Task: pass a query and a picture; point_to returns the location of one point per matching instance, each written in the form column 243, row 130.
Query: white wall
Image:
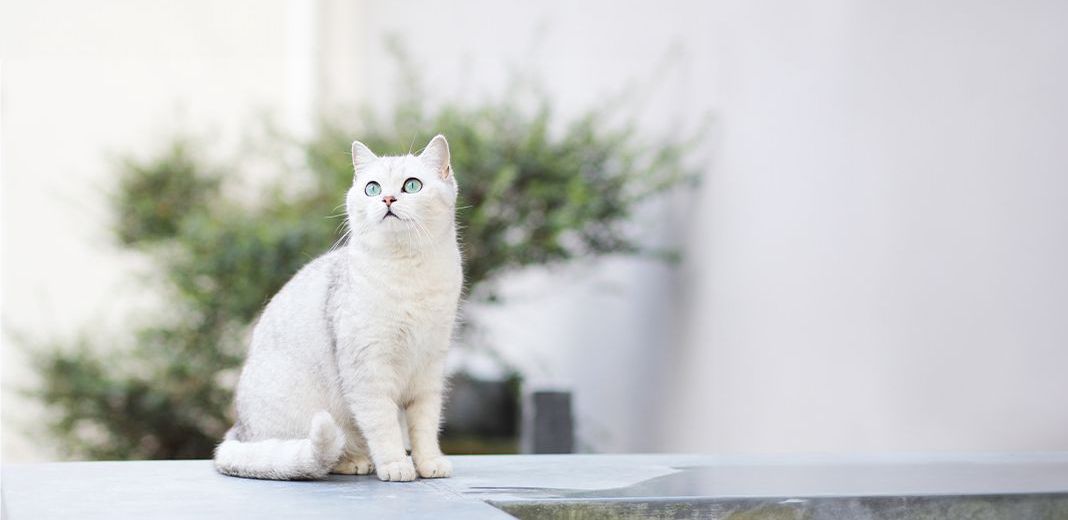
column 881, row 260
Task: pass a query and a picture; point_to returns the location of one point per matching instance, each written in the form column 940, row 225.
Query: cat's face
column 408, row 199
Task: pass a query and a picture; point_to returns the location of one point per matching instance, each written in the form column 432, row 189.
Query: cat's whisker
column 414, row 230
column 412, row 227
column 340, row 240
column 415, row 242
column 424, row 230
column 417, row 224
column 412, row 144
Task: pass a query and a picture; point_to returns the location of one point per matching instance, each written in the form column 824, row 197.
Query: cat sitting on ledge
column 358, row 336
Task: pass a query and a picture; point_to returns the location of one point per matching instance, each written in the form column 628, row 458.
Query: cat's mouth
column 390, row 213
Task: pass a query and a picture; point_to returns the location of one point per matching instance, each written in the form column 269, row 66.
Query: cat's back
column 313, row 282
column 302, row 308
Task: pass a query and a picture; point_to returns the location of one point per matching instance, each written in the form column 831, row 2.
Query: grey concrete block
column 548, row 426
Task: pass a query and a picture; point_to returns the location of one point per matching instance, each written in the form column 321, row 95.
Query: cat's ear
column 436, row 156
column 361, row 156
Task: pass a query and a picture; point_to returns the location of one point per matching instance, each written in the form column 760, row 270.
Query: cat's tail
column 276, row 459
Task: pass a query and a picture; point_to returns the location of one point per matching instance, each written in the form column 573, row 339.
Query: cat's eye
column 372, row 189
column 412, row 185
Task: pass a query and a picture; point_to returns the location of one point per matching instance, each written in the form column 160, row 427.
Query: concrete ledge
column 566, row 486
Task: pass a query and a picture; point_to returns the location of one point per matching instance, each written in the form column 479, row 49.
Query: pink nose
column 389, row 200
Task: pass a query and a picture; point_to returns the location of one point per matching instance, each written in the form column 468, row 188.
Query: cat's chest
column 421, row 286
column 402, row 303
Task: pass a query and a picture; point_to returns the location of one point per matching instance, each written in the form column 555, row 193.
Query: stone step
column 902, row 486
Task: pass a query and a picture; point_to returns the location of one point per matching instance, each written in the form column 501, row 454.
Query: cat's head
column 407, row 199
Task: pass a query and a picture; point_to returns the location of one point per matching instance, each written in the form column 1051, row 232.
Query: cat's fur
column 357, row 337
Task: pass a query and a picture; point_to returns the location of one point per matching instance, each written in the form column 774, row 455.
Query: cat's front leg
column 369, row 390
column 376, row 414
column 424, row 421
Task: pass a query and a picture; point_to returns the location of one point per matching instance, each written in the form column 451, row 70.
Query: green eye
column 372, row 189
column 412, row 185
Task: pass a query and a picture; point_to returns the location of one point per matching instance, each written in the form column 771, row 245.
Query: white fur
column 357, row 337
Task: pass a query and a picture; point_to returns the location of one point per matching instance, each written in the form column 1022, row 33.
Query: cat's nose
column 389, row 200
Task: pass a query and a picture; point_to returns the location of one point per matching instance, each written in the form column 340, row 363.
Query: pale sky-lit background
column 875, row 260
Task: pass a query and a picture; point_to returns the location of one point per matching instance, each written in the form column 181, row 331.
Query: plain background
column 874, row 261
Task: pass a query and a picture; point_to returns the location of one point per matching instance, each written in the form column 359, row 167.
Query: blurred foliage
column 533, row 191
column 178, row 187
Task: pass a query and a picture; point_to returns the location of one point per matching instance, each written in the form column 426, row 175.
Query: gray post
column 547, row 423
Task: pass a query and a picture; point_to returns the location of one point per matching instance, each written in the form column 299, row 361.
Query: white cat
column 358, row 336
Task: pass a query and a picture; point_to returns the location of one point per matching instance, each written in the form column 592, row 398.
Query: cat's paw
column 344, row 467
column 399, row 471
column 354, row 465
column 364, row 466
column 434, row 467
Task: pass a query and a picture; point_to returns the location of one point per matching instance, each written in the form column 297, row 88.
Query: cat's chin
column 392, row 221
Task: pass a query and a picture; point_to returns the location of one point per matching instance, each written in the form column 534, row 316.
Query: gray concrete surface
column 566, row 486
